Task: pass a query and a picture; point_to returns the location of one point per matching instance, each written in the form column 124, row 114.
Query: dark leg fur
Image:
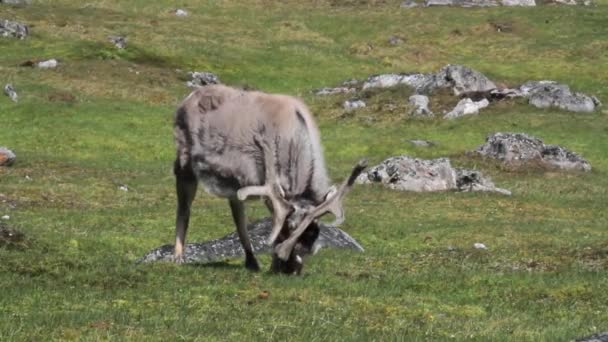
column 238, row 215
column 185, row 186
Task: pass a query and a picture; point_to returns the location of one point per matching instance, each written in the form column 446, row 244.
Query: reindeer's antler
column 331, row 204
column 271, row 190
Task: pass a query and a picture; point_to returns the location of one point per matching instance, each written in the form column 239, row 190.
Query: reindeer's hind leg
column 238, row 214
column 185, row 185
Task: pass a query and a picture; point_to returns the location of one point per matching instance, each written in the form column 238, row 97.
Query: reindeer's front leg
column 240, row 220
column 185, row 186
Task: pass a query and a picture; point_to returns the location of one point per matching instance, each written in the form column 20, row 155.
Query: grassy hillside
column 103, row 119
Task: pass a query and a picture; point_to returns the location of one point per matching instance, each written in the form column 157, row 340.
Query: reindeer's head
column 295, row 220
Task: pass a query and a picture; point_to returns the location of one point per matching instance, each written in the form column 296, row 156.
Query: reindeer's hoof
column 178, row 259
column 251, row 263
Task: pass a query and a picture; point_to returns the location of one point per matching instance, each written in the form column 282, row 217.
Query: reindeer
column 248, row 144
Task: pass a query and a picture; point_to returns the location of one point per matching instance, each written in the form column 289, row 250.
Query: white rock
column 518, row 2
column 466, row 107
column 353, row 104
column 6, row 217
column 181, row 13
column 123, row 188
column 479, row 245
column 48, row 64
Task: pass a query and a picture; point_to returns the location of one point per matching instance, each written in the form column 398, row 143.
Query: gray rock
column 518, row 2
column 545, row 94
column 409, row 4
column 9, row 91
column 420, row 105
column 599, row 337
column 458, row 77
column 466, row 106
column 463, row 79
column 395, row 40
column 421, row 143
column 229, row 246
column 332, row 91
column 7, row 157
column 462, row 3
column 15, row 29
column 353, row 104
column 405, row 173
column 118, row 41
column 202, row 78
column 520, row 149
column 16, row 2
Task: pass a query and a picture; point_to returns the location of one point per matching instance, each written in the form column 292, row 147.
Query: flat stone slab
column 229, row 246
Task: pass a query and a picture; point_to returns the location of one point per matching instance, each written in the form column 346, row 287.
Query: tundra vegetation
column 92, row 187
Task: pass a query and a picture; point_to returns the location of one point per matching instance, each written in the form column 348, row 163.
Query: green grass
column 103, row 118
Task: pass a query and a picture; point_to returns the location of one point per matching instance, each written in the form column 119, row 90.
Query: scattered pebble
column 118, row 41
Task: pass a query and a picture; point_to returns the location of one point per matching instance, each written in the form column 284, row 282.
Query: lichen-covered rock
column 420, row 106
column 520, row 149
column 466, row 106
column 229, row 246
column 202, row 78
column 9, row 91
column 9, row 28
column 419, row 175
column 545, row 94
column 7, row 157
column 353, row 104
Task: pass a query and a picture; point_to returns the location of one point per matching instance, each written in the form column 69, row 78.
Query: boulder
column 545, row 94
column 353, row 104
column 15, row 29
column 7, row 157
column 229, row 246
column 520, row 149
column 405, row 173
column 202, row 78
column 420, row 104
column 421, row 143
column 463, row 79
column 466, row 106
column 9, row 91
column 395, row 40
column 11, row 238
